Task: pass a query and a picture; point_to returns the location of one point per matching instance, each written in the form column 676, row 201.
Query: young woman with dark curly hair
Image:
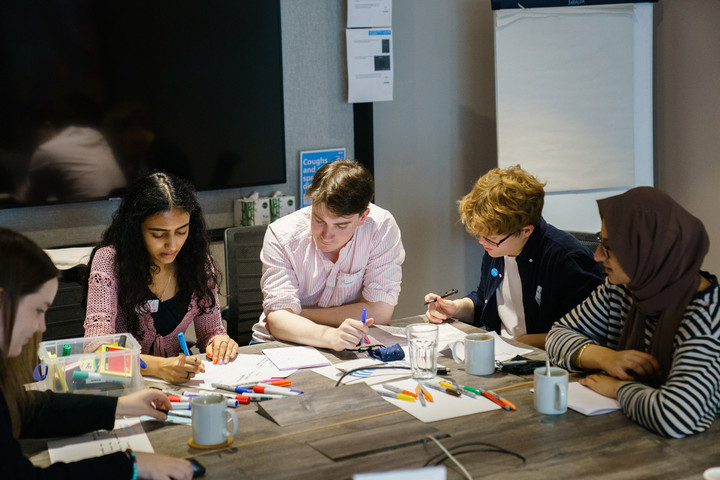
column 152, row 275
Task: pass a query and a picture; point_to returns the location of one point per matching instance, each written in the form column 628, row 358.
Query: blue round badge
column 494, row 272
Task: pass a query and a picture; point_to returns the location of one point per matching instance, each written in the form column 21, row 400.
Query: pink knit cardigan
column 103, row 316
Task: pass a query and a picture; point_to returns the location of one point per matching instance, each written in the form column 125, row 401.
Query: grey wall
column 435, row 139
column 687, row 110
column 438, row 134
column 316, row 117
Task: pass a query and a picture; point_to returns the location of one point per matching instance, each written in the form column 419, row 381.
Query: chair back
column 586, row 238
column 243, row 270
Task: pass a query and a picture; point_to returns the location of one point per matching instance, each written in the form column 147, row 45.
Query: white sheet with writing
column 127, row 433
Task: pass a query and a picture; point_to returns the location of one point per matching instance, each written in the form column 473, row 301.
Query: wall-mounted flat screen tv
column 96, row 93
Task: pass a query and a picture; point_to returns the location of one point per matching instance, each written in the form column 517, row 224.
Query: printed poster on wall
column 310, row 162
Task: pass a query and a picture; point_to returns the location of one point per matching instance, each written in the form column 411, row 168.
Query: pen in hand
column 444, row 295
column 183, row 344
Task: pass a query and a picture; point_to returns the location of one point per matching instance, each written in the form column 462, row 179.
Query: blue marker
column 364, row 319
column 183, row 344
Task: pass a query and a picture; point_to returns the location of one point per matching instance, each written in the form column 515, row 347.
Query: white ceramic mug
column 478, row 355
column 210, row 419
column 551, row 391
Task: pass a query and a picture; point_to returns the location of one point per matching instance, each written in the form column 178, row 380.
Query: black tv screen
column 187, row 86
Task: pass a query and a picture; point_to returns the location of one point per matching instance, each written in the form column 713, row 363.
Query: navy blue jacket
column 557, row 273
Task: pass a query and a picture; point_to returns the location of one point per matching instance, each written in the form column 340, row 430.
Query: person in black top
column 28, row 283
column 532, row 273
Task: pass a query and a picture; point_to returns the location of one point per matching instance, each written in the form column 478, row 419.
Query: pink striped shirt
column 296, row 274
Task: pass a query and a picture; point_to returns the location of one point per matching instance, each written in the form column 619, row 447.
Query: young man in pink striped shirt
column 323, row 264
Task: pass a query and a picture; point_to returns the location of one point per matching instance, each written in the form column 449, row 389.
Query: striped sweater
column 689, row 400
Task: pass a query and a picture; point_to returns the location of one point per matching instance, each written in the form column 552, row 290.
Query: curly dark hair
column 195, row 271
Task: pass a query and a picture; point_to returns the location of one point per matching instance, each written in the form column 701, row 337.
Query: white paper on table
column 387, row 335
column 369, row 376
column 443, row 405
column 287, row 358
column 588, row 402
column 438, row 472
column 244, row 369
column 370, row 64
column 369, row 13
column 127, row 433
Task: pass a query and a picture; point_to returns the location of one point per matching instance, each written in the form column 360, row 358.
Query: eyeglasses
column 495, row 244
column 603, row 248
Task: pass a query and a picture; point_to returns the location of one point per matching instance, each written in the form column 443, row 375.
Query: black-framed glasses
column 603, row 248
column 496, row 244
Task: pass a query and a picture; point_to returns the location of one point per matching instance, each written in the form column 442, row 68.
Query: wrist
column 133, row 460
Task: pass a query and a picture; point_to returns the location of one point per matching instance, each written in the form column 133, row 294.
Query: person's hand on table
column 624, row 364
column 222, row 349
column 145, row 402
column 602, row 384
column 441, row 309
column 348, row 335
column 156, row 466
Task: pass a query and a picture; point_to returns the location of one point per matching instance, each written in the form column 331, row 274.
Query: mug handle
column 234, row 422
column 454, row 353
column 561, row 397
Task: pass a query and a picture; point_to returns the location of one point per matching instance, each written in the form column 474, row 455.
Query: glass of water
column 422, row 345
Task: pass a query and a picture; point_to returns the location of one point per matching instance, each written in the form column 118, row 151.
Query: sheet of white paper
column 443, row 405
column 368, row 376
column 588, row 402
column 387, row 335
column 288, row 358
column 370, row 64
column 127, row 433
column 428, row 473
column 369, row 13
column 245, row 368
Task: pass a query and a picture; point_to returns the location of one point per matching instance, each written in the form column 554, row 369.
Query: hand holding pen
column 439, row 309
column 149, row 401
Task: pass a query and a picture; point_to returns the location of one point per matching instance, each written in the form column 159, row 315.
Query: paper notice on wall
column 370, row 64
column 369, row 13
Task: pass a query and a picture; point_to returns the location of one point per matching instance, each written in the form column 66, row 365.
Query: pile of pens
column 248, row 392
column 444, row 386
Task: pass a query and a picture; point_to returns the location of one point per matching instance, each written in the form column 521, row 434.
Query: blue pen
column 183, row 345
column 364, row 319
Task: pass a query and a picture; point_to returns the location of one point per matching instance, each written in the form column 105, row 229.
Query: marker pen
column 399, row 396
column 275, row 390
column 449, row 391
column 395, row 389
column 94, row 377
column 183, row 344
column 263, row 396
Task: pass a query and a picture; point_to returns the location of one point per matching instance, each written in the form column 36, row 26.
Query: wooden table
column 380, row 438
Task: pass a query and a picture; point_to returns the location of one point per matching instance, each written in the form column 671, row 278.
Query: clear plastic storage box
column 107, row 365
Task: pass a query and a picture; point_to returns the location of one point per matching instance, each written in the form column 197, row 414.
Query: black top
column 169, row 315
column 61, row 415
column 557, row 272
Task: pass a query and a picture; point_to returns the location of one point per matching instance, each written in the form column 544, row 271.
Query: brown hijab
column 661, row 247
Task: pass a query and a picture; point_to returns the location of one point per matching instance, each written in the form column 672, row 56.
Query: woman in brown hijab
column 653, row 327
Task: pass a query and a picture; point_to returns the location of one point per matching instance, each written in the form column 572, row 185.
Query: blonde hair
column 502, row 202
